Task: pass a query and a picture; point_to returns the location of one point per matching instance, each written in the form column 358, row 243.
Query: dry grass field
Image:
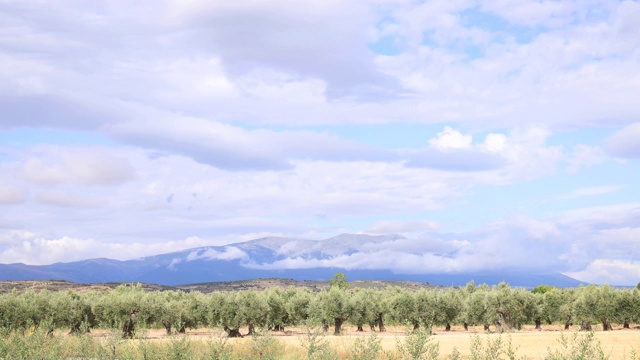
column 529, row 343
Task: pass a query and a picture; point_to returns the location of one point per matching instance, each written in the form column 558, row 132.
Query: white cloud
column 12, row 195
column 533, row 12
column 31, row 248
column 591, row 191
column 625, row 143
column 607, row 271
column 64, row 199
column 451, row 139
column 88, row 166
column 231, row 147
column 228, row 253
column 584, row 156
column 495, row 142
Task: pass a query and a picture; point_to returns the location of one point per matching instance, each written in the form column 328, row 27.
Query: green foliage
column 493, row 349
column 363, row 307
column 180, row 348
column 218, row 348
column 336, row 306
column 578, row 347
column 474, row 311
column 417, row 345
column 316, row 345
column 448, row 306
column 264, row 346
column 507, row 307
column 455, row 354
column 38, row 345
column 596, row 303
column 368, row 348
column 404, row 307
column 339, row 280
column 541, row 289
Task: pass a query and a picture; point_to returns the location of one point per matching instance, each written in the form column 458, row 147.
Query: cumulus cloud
column 607, row 271
column 451, row 150
column 451, row 139
column 523, row 153
column 495, row 142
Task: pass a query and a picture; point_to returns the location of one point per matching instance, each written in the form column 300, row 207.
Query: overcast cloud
column 487, row 133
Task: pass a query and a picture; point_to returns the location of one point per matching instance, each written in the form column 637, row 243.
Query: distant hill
column 253, row 284
column 271, row 257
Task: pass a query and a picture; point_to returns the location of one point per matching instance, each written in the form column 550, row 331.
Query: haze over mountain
column 298, row 259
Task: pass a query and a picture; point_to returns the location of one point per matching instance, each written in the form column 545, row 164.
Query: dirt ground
column 534, row 344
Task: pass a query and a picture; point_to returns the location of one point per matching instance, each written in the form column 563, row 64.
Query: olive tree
column 336, row 306
column 448, row 306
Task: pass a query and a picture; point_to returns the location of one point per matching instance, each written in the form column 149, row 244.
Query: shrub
column 365, row 348
column 578, row 347
column 314, row 341
column 264, row 346
column 417, row 345
column 218, row 348
column 493, row 349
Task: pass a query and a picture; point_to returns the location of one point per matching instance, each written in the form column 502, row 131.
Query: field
column 528, row 342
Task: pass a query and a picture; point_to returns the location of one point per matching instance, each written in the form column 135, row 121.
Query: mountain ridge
column 273, row 257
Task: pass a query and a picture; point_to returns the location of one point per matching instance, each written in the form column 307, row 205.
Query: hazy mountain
column 270, row 257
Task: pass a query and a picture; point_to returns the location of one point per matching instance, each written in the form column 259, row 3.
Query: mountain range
column 270, row 257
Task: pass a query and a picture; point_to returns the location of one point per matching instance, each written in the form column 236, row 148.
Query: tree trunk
column 338, row 326
column 466, row 326
column 75, row 329
column 567, row 323
column 252, row 330
column 372, row 326
column 232, row 333
column 182, row 330
column 538, row 324
column 626, row 325
column 325, row 326
column 360, row 329
column 606, row 325
column 381, row 323
column 486, row 327
column 416, row 326
column 585, row 326
column 448, row 327
column 129, row 326
column 168, row 328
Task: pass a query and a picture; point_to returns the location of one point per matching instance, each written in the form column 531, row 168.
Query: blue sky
column 504, row 134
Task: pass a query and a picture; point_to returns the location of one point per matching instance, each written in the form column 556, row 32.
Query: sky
column 491, row 134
